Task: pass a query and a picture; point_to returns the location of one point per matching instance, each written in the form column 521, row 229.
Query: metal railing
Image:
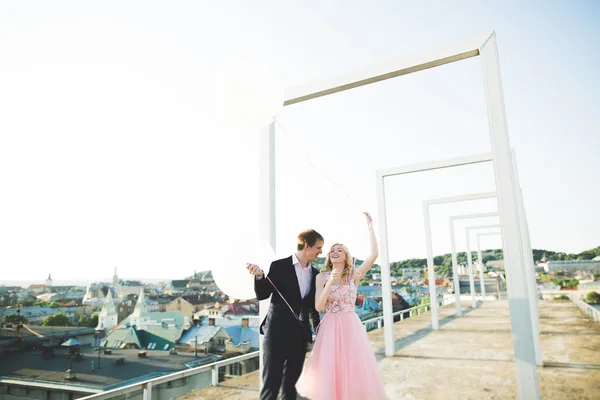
column 146, row 386
column 448, row 299
column 592, row 312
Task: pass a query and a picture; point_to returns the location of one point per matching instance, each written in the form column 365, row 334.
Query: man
column 286, row 335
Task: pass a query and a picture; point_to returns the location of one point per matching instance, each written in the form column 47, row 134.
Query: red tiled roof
column 396, row 299
column 37, row 286
column 245, row 303
column 244, row 308
column 438, row 281
column 360, row 300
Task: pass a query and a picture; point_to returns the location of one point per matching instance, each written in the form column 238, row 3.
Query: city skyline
column 112, row 151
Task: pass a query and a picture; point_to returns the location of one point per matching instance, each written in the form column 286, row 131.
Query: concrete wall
column 182, row 387
column 22, row 392
column 491, row 286
column 182, row 305
column 165, row 391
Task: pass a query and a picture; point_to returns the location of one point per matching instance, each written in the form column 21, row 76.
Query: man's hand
column 254, row 269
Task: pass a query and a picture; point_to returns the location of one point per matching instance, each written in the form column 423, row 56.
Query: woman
column 342, row 364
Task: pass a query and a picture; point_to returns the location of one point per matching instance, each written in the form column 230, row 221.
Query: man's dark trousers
column 285, row 338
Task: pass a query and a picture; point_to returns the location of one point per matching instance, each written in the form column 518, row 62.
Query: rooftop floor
column 472, row 357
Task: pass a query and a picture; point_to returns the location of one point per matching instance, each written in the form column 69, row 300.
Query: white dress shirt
column 304, row 276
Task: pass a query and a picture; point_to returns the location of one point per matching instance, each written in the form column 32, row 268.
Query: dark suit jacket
column 280, row 320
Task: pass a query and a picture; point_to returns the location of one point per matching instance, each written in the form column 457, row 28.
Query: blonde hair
column 348, row 265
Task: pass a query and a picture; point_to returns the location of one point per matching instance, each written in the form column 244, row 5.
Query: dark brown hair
column 308, row 237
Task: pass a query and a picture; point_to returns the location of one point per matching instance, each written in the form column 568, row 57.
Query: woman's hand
column 335, row 274
column 373, row 253
column 369, row 219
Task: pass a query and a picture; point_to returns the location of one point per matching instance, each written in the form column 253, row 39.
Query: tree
column 589, row 254
column 559, row 283
column 59, row 319
column 424, row 301
column 488, row 257
column 14, row 319
column 83, row 321
column 561, row 297
column 592, row 298
column 93, row 320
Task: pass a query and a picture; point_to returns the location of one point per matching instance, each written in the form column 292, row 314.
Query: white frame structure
column 267, row 210
column 468, row 231
column 484, row 46
column 429, row 245
column 480, row 259
column 455, row 259
column 528, row 263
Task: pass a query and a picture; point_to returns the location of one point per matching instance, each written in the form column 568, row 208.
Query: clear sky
column 113, row 152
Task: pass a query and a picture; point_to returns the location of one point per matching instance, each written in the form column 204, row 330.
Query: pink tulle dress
column 342, row 365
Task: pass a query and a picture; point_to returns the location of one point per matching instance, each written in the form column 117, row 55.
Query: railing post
column 378, row 324
column 148, row 391
column 402, row 317
column 215, row 375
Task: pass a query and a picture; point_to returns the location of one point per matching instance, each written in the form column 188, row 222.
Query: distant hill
column 445, row 261
column 560, row 256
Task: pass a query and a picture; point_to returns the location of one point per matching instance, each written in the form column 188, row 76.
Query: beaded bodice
column 342, row 297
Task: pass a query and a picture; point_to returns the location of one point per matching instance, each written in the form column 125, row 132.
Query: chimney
column 70, row 374
column 211, row 322
column 245, row 322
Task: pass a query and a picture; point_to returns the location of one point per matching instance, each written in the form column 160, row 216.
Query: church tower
column 108, row 317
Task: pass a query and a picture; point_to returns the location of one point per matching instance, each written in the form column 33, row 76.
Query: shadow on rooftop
column 572, row 366
column 454, row 358
column 420, row 334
